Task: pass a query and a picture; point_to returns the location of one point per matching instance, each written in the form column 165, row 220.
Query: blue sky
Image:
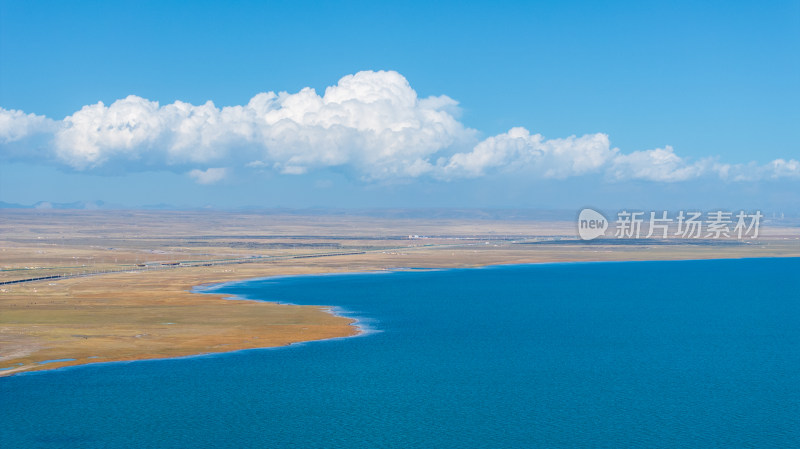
column 690, row 96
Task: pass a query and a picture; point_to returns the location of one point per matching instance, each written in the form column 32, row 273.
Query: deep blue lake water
column 635, row 354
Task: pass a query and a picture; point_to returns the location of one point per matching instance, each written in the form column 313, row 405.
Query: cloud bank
column 370, row 124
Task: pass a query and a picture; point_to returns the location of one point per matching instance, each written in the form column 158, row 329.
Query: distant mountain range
column 789, row 219
column 44, row 205
column 502, row 214
column 87, row 205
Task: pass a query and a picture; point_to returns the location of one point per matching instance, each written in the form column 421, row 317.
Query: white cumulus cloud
column 660, row 164
column 372, row 121
column 371, row 124
column 518, row 149
column 208, row 176
column 16, row 125
column 781, row 168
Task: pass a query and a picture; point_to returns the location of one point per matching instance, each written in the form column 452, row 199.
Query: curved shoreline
column 362, row 331
column 160, row 318
column 358, row 322
column 347, row 327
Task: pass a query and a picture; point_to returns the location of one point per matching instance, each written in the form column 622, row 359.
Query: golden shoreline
column 155, row 314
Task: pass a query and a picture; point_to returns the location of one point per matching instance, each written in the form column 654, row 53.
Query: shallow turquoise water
column 640, row 354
